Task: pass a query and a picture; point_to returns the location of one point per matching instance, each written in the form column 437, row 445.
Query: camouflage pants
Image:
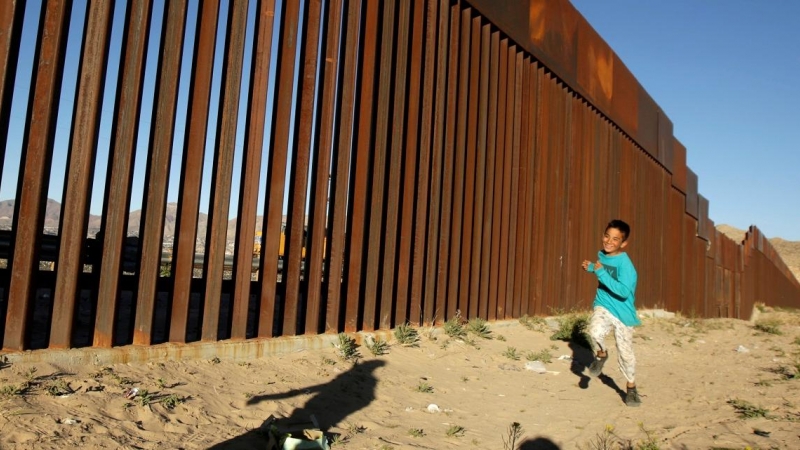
column 600, row 324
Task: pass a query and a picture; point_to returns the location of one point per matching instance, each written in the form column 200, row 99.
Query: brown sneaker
column 596, row 367
column 632, row 398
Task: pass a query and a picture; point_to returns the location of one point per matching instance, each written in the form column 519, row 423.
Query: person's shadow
column 581, row 358
column 331, row 403
column 539, row 443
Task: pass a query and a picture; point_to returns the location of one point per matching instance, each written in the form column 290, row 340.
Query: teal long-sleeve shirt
column 616, row 290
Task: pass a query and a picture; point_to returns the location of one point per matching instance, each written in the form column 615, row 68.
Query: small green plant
column 215, row 360
column 514, row 433
column 572, row 328
column 161, row 383
column 501, row 338
column 455, row 431
column 144, row 397
column 769, row 327
column 511, row 353
column 543, row 355
column 10, row 390
column 479, row 327
column 348, row 350
column 328, row 361
column 763, row 383
column 453, row 326
column 378, row 347
column 424, row 387
column 354, row 428
column 58, row 388
column 533, row 323
column 464, row 378
column 171, row 401
column 747, row 410
column 407, row 335
column 30, row 374
column 416, row 432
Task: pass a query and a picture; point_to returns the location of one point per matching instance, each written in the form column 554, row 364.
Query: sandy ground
column 698, row 378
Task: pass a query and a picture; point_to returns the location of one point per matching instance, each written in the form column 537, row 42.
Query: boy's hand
column 585, row 265
column 597, row 266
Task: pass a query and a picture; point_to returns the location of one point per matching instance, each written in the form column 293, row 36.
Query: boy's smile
column 613, row 242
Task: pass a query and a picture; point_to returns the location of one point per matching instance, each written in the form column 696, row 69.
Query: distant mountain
column 53, row 214
column 789, row 251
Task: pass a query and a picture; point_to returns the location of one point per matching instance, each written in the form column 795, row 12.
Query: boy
column 614, row 305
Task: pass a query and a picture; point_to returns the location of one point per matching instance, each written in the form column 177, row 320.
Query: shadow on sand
column 581, row 358
column 539, row 443
column 330, row 404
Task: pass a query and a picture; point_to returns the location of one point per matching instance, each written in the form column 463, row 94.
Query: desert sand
column 717, row 383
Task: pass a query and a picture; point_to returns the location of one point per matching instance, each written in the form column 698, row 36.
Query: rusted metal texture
column 425, row 160
column 158, row 163
column 37, row 152
column 125, row 129
column 192, row 171
column 251, row 166
column 86, row 128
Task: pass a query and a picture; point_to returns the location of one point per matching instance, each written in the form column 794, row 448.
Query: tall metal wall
column 419, row 159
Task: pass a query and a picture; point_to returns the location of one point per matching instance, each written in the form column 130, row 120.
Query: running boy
column 614, row 305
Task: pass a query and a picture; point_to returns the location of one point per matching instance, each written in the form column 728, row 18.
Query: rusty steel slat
column 448, row 309
column 467, row 297
column 302, row 161
column 532, row 105
column 37, row 152
column 276, row 176
column 421, row 310
column 86, row 125
column 380, row 147
column 513, row 143
column 119, row 178
column 340, row 180
column 395, row 176
column 317, row 222
column 575, row 163
column 674, row 283
column 678, row 166
column 562, row 186
column 358, row 198
column 486, row 308
column 541, row 175
column 497, row 283
column 692, row 207
column 222, row 177
column 481, row 67
column 12, row 15
column 157, row 177
column 456, row 300
column 251, row 166
column 431, row 307
column 405, row 312
column 520, row 276
column 192, row 171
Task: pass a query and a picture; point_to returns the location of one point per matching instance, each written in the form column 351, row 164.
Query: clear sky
column 727, row 73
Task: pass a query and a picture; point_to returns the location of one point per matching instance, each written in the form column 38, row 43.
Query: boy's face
column 613, row 242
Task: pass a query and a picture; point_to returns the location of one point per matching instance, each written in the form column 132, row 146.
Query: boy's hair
column 622, row 226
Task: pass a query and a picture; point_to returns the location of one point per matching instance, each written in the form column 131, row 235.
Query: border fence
column 396, row 161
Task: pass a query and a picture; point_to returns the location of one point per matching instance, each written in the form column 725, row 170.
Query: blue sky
column 727, row 73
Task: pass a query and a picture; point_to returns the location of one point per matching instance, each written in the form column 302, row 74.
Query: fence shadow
column 331, row 403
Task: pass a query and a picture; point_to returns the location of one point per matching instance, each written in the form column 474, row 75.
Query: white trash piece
column 536, row 366
column 433, row 408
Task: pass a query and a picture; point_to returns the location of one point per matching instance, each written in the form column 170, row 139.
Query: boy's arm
column 622, row 288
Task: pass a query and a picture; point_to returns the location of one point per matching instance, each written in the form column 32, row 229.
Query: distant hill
column 788, row 250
